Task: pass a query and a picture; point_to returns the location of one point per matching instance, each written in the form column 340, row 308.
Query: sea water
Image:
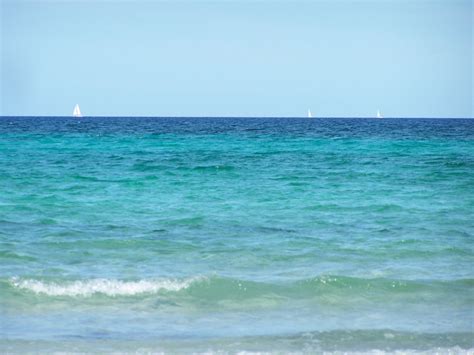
column 236, row 234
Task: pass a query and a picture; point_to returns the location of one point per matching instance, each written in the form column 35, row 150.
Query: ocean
column 233, row 235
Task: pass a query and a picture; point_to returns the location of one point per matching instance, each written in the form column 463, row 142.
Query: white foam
column 102, row 286
column 435, row 351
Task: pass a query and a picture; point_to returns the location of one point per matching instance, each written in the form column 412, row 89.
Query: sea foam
column 102, row 286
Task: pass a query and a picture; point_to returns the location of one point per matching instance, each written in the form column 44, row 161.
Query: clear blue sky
column 408, row 58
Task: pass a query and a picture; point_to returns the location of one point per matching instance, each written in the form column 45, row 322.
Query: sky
column 407, row 58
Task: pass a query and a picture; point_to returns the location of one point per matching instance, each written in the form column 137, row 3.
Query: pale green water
column 236, row 234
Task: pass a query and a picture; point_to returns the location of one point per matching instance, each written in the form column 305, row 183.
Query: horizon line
column 292, row 117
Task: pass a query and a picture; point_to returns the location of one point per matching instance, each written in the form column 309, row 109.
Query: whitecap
column 102, row 286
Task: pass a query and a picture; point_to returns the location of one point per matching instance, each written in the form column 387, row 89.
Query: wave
column 216, row 287
column 101, row 286
column 15, row 256
column 364, row 341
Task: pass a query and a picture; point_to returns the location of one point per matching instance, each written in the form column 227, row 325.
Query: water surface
column 236, row 234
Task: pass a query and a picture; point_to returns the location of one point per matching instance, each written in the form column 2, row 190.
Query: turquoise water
column 178, row 235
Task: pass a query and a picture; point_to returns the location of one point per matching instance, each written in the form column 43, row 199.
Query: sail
column 379, row 115
column 77, row 111
column 309, row 114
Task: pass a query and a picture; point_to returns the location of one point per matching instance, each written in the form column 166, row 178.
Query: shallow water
column 236, row 234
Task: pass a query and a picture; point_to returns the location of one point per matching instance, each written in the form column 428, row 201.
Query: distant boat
column 309, row 114
column 77, row 111
column 379, row 115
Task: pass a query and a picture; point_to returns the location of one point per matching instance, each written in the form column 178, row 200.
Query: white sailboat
column 77, row 111
column 379, row 115
column 309, row 114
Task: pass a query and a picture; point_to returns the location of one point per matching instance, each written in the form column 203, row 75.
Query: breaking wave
column 102, row 286
column 218, row 288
